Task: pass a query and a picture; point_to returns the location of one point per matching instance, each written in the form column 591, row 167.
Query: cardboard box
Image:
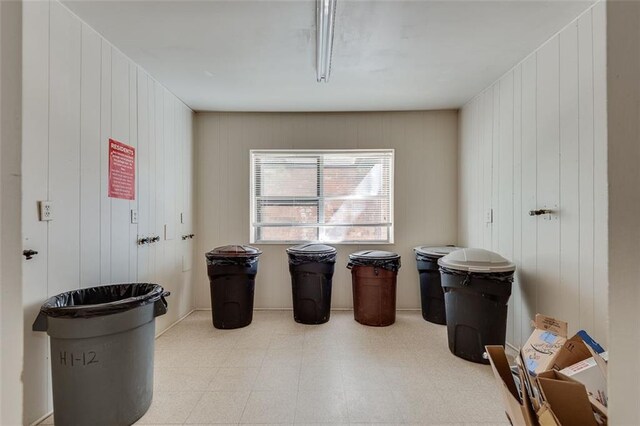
column 536, row 391
column 541, row 349
column 590, row 374
column 565, row 401
column 515, row 396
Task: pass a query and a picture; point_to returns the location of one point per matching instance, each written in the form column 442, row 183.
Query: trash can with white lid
column 311, row 266
column 232, row 273
column 374, row 277
column 431, row 294
column 477, row 286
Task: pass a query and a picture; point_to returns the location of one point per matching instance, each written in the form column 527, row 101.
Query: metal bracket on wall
column 28, row 254
column 548, row 214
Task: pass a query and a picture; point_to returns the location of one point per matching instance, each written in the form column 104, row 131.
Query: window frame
column 317, row 200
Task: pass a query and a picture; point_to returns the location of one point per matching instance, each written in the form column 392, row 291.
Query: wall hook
column 540, row 212
column 28, row 254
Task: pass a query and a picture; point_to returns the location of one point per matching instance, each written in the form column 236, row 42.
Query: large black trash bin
column 311, row 267
column 374, row 277
column 431, row 294
column 232, row 272
column 477, row 287
column 102, row 342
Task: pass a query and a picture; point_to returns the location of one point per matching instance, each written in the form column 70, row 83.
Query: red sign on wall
column 122, row 170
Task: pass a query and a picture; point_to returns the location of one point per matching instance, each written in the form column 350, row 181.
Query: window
column 343, row 196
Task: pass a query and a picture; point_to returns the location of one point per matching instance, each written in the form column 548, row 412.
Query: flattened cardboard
column 573, row 351
column 555, row 326
column 566, row 399
column 519, row 412
column 542, row 347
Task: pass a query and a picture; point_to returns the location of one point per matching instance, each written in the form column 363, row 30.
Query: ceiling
column 388, row 55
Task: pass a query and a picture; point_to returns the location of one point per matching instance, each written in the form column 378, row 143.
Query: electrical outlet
column 134, row 216
column 488, row 216
column 45, row 210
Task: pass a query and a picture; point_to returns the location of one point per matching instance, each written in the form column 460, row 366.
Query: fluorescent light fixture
column 325, row 18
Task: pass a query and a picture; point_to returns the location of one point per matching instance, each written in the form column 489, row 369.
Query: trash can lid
column 374, row 255
column 476, row 260
column 311, row 248
column 234, row 251
column 435, row 252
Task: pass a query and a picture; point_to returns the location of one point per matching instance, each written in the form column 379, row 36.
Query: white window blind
column 343, row 196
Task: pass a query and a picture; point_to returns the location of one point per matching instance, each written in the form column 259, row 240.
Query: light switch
column 169, row 232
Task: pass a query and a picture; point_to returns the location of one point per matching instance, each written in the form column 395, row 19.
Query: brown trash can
column 374, row 278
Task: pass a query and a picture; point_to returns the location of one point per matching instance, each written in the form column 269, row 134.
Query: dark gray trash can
column 311, row 266
column 431, row 294
column 232, row 277
column 102, row 342
column 477, row 287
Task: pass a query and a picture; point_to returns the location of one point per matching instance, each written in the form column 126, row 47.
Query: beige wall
column 534, row 139
column 623, row 80
column 10, row 247
column 425, row 187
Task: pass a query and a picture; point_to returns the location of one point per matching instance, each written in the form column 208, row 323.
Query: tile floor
column 279, row 372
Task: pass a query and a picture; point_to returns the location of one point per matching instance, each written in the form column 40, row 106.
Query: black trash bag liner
column 301, row 259
column 388, row 264
column 503, row 277
column 229, row 261
column 104, row 300
column 422, row 257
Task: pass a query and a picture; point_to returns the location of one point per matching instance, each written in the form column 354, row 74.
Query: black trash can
column 477, row 286
column 311, row 267
column 102, row 343
column 374, row 277
column 431, row 294
column 232, row 273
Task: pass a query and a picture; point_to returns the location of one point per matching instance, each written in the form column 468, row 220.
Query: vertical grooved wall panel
column 540, row 131
column 79, row 91
column 35, row 166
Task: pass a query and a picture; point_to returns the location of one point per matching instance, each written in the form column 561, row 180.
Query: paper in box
column 542, row 347
column 590, row 374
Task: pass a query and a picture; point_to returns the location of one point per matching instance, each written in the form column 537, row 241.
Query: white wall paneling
column 544, row 124
column 143, row 169
column 35, row 186
column 425, row 145
column 64, row 149
column 90, row 157
column 119, row 235
column 79, row 91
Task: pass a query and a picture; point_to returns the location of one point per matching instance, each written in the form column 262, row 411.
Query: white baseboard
column 512, row 348
column 175, row 323
column 41, row 419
